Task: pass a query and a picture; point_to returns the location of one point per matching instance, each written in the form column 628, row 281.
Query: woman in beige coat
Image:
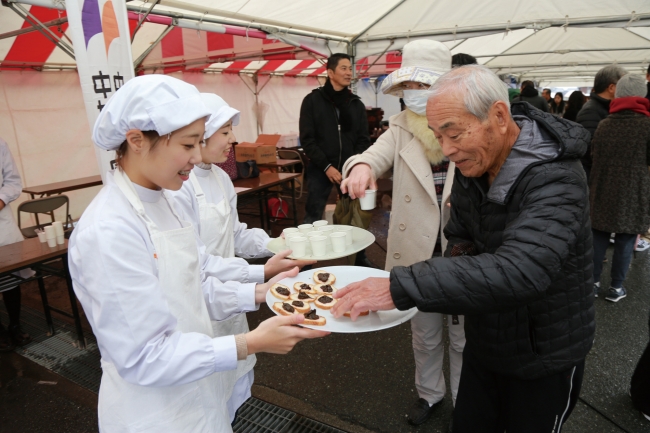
column 422, row 179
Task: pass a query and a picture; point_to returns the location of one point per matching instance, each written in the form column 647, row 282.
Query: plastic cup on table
column 318, row 245
column 41, row 236
column 60, row 240
column 348, row 233
column 299, row 246
column 326, row 230
column 338, row 241
column 368, row 201
column 305, row 228
column 319, row 223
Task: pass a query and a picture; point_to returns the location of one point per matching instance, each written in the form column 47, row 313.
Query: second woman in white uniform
column 209, row 198
column 142, row 275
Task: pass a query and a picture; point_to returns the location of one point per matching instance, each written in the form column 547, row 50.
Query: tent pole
column 56, row 22
column 139, row 60
column 38, row 25
column 379, row 56
column 144, row 17
column 375, row 22
column 567, row 51
column 257, row 104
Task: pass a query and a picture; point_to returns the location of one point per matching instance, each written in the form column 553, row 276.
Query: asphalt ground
column 355, row 382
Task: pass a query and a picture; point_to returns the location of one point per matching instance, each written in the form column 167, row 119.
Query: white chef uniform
column 115, row 276
column 11, row 187
column 209, row 197
column 141, row 274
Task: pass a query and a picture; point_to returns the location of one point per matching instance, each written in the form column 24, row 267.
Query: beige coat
column 415, row 217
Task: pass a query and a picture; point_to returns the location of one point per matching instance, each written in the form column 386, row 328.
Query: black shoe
column 6, row 345
column 421, row 411
column 19, row 337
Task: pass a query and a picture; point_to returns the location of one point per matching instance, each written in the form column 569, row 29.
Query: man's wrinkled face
column 464, row 139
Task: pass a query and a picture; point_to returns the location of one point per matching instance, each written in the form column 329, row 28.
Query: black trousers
column 319, row 188
column 492, row 403
column 640, row 383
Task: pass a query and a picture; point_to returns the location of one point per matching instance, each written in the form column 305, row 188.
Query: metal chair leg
column 46, row 306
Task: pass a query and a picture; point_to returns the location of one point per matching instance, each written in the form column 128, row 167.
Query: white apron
column 10, row 233
column 198, row 406
column 217, row 235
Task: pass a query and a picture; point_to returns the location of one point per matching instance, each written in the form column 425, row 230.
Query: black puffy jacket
column 319, row 133
column 589, row 116
column 527, row 295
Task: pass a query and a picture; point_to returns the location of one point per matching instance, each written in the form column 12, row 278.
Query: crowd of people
column 502, row 212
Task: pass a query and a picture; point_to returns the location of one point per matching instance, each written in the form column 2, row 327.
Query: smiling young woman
column 145, row 281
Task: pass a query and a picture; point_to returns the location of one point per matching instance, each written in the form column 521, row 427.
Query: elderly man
column 519, row 206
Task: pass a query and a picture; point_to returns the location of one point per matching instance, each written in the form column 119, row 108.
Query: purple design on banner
column 90, row 19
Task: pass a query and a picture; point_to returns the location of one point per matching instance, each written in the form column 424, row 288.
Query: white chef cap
column 220, row 113
column 148, row 103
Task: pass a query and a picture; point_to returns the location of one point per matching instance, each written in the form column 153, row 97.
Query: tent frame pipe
column 38, row 25
column 377, row 59
column 140, row 59
column 586, row 50
column 144, row 17
column 226, row 21
column 56, row 22
column 374, row 23
column 539, row 25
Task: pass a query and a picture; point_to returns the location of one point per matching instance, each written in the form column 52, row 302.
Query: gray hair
column 606, row 76
column 631, row 85
column 478, row 86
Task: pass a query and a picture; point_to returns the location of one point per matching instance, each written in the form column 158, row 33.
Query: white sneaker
column 642, row 245
column 611, row 238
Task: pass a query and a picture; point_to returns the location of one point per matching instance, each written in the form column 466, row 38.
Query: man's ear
column 501, row 115
column 136, row 140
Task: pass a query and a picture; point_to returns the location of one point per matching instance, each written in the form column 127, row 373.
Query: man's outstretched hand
column 371, row 294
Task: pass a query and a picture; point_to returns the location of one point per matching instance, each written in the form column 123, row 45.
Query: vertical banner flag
column 102, row 48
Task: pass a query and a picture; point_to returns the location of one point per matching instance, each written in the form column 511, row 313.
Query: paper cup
column 291, row 236
column 41, row 237
column 60, row 240
column 50, row 233
column 326, row 230
column 338, row 241
column 299, row 246
column 286, row 232
column 368, row 202
column 58, row 228
column 319, row 223
column 305, row 228
column 51, row 242
column 348, row 233
column 318, row 245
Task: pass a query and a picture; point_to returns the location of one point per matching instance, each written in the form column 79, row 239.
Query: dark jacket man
column 319, row 130
column 531, row 95
column 594, row 110
column 533, row 271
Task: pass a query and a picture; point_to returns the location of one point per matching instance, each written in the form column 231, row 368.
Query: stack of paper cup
column 50, row 235
column 338, row 241
column 348, row 233
column 41, row 236
column 299, row 246
column 58, row 229
column 319, row 223
column 318, row 245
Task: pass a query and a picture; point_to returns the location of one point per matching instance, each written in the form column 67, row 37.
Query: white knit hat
column 148, row 103
column 423, row 61
column 220, row 113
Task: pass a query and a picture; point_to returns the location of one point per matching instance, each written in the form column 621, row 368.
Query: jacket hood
column 529, row 92
column 543, row 138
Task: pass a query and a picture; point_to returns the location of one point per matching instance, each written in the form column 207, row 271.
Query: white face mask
column 416, row 100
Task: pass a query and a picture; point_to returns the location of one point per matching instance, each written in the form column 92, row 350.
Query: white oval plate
column 375, row 321
column 361, row 239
